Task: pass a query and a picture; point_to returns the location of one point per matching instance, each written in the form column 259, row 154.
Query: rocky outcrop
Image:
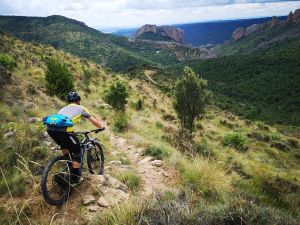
column 167, row 31
column 238, row 34
column 241, row 32
column 296, row 16
column 181, row 52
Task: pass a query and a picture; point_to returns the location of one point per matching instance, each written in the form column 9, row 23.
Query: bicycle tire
column 95, row 157
column 65, row 193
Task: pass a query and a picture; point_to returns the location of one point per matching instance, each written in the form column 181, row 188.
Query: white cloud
column 133, row 13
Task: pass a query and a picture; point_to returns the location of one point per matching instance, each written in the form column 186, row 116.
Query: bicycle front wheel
column 55, row 184
column 95, row 159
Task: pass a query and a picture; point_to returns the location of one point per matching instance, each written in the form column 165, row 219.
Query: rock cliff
column 244, row 32
column 166, row 31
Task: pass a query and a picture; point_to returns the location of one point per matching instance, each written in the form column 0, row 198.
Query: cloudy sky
column 103, row 14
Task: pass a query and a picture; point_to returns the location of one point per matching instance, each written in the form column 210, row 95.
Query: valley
column 239, row 165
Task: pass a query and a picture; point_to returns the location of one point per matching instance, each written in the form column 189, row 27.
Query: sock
column 75, row 174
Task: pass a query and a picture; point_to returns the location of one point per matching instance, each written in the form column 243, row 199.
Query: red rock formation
column 238, row 34
column 274, row 22
column 296, row 15
column 168, row 31
column 290, row 17
column 252, row 29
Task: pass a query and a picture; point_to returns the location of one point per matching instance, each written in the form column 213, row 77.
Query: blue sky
column 133, row 13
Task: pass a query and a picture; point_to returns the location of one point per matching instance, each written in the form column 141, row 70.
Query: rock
column 238, row 34
column 114, row 183
column 28, row 105
column 92, row 208
column 34, row 119
column 274, row 22
column 172, row 32
column 145, row 160
column 102, row 202
column 296, row 15
column 157, row 163
column 252, row 29
column 115, row 163
column 165, row 174
column 88, row 199
column 8, row 135
column 290, row 17
column 45, row 135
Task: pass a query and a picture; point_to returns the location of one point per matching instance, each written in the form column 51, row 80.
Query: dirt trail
column 155, row 175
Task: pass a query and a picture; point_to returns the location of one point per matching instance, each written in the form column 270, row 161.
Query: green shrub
column 236, row 140
column 87, row 75
column 191, row 96
column 139, row 105
column 158, row 151
column 120, row 122
column 58, row 77
column 7, row 61
column 131, row 178
column 159, row 125
column 117, row 95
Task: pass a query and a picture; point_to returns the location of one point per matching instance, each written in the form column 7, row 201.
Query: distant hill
column 258, row 76
column 216, row 32
column 115, row 52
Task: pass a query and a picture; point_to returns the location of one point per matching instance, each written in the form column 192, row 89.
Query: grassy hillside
column 220, row 183
column 115, row 52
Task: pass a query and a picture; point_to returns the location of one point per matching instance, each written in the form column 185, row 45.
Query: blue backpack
column 57, row 120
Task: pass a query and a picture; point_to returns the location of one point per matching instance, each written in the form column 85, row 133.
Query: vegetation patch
column 131, row 178
column 236, row 140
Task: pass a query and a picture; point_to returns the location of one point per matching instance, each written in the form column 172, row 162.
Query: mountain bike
column 55, row 184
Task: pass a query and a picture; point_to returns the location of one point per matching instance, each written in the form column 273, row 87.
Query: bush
column 236, row 140
column 87, row 75
column 7, row 61
column 117, row 95
column 120, row 122
column 139, row 105
column 191, row 96
column 158, row 151
column 59, row 80
column 131, row 179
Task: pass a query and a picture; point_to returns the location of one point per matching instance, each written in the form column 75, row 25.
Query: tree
column 191, row 96
column 58, row 77
column 117, row 95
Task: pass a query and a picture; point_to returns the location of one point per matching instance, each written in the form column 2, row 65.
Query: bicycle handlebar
column 91, row 131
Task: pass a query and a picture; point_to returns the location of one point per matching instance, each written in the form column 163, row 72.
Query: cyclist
column 65, row 137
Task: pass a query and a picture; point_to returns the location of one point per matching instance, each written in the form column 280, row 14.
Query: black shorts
column 67, row 141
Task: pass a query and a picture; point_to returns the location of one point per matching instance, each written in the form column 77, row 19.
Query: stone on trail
column 88, row 199
column 114, row 183
column 145, row 160
column 102, row 202
column 157, row 163
column 92, row 208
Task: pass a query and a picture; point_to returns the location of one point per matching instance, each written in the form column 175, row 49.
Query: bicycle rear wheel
column 95, row 159
column 55, row 184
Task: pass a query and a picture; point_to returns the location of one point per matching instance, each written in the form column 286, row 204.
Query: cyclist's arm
column 95, row 122
column 88, row 115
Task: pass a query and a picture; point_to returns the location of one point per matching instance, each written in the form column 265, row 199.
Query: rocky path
column 154, row 174
column 100, row 192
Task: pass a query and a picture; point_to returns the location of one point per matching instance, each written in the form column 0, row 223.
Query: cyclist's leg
column 72, row 143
